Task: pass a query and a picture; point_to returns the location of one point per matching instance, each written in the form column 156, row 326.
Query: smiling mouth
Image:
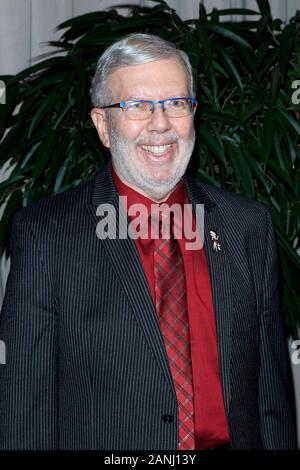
column 157, row 149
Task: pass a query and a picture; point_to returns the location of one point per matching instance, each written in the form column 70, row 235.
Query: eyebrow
column 133, row 98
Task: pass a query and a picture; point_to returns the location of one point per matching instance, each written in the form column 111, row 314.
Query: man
column 140, row 343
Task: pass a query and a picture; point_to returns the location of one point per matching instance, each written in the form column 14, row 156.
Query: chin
column 161, row 175
column 160, row 184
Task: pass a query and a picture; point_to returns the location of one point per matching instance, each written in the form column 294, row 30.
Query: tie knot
column 163, row 222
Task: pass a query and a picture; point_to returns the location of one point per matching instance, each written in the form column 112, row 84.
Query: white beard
column 125, row 165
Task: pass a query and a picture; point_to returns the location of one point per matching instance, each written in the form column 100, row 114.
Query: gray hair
column 134, row 49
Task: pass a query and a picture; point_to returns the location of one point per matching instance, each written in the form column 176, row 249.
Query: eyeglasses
column 143, row 109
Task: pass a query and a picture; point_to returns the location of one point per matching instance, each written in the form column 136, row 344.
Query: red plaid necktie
column 171, row 306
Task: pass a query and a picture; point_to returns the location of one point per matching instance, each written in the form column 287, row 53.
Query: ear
column 100, row 122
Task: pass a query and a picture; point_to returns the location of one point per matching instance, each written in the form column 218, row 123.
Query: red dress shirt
column 211, row 427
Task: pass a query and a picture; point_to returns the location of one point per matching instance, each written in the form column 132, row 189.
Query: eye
column 137, row 106
column 177, row 103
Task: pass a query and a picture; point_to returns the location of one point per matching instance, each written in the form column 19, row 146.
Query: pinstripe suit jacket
column 86, row 366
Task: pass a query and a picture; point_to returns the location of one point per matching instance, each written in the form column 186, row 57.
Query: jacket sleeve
column 276, row 400
column 28, row 401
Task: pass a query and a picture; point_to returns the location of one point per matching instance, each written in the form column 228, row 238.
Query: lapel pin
column 215, row 240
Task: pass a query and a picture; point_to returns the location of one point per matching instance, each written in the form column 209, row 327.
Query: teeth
column 157, row 149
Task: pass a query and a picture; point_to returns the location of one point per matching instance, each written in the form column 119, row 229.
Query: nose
column 159, row 121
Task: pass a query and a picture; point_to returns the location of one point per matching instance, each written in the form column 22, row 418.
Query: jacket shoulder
column 54, row 214
column 228, row 201
column 59, row 204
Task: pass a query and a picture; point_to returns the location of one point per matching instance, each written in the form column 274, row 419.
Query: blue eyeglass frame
column 122, row 104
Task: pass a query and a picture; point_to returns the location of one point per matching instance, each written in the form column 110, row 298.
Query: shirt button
column 168, row 418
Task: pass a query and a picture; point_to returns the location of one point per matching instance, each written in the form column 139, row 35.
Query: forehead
column 157, row 79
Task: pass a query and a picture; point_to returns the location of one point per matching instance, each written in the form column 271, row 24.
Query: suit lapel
column 220, row 276
column 127, row 265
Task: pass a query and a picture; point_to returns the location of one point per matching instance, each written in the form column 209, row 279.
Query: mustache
column 159, row 140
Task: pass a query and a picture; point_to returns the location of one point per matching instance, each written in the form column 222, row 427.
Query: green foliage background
column 248, row 131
